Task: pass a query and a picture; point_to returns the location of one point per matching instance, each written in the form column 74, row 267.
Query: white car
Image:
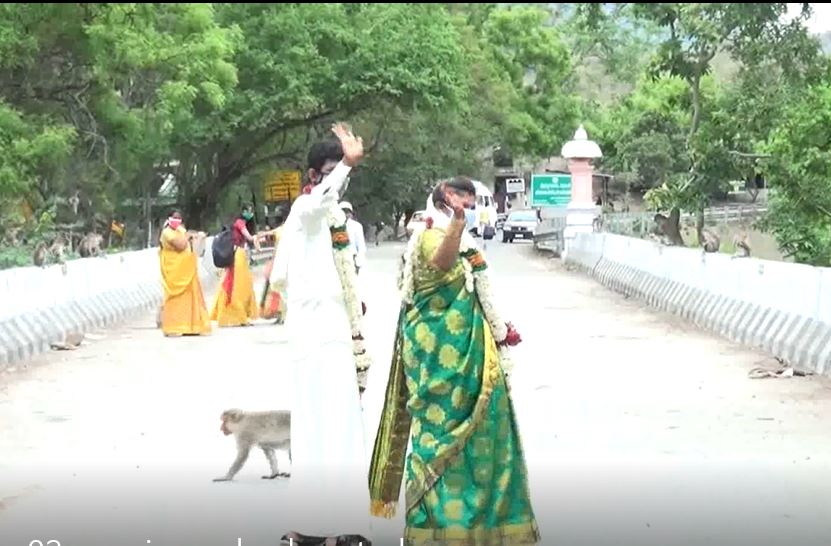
column 520, row 224
column 416, row 220
column 485, row 220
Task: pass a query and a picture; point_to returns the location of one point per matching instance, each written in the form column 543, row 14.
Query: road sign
column 515, row 185
column 550, row 190
column 282, row 186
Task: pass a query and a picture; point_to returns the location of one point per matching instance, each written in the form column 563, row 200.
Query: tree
column 644, row 134
column 695, row 34
column 301, row 66
column 800, row 174
column 101, row 103
column 535, row 65
column 514, row 65
column 119, row 78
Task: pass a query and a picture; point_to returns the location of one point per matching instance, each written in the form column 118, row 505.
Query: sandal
column 353, row 540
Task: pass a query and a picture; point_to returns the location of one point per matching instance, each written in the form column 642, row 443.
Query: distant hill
column 825, row 41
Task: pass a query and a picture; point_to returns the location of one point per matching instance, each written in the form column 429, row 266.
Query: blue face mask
column 247, row 216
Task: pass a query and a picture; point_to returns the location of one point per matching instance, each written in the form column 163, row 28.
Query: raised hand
column 353, row 147
column 454, row 202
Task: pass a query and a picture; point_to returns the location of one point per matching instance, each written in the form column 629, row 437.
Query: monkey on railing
column 91, row 245
column 50, row 253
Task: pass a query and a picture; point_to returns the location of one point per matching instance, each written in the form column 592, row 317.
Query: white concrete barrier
column 782, row 308
column 42, row 305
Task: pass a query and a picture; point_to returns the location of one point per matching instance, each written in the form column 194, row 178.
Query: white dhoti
column 329, row 490
column 329, row 483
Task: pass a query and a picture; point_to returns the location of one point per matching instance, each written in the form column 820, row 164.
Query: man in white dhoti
column 316, row 267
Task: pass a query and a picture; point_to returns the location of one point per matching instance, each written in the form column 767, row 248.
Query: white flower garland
column 477, row 281
column 345, row 265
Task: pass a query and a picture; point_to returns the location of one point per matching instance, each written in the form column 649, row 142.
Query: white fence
column 640, row 223
column 780, row 307
column 41, row 305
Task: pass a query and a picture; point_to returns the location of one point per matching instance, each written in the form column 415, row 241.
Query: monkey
column 659, row 230
column 710, row 241
column 91, row 245
column 41, row 253
column 742, row 244
column 269, row 430
column 57, row 249
column 74, row 201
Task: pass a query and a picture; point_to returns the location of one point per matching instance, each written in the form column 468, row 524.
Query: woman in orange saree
column 183, row 311
column 272, row 304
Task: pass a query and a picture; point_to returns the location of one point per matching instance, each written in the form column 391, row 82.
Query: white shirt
column 356, row 241
column 325, row 408
column 304, row 260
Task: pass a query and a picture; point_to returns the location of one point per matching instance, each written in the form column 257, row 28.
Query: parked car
column 520, row 224
column 416, row 220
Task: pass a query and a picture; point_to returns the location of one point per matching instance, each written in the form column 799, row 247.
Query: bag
column 488, row 232
column 223, row 249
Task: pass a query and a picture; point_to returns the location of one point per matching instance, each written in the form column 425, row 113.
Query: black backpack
column 223, row 249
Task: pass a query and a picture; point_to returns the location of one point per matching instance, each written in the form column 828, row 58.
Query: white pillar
column 581, row 211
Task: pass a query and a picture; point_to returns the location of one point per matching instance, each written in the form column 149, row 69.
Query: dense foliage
column 115, row 112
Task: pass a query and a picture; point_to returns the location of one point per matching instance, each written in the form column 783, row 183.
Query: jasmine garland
column 345, row 265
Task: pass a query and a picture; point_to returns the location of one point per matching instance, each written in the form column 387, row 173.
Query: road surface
column 638, row 429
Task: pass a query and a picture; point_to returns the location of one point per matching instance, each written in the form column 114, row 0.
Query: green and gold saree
column 466, row 479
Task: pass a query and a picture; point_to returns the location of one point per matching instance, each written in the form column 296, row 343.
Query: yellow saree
column 184, row 311
column 235, row 303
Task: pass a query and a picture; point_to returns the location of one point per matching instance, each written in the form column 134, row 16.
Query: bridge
column 640, row 424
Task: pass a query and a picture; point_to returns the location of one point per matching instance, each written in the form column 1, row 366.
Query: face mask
column 248, row 216
column 174, row 223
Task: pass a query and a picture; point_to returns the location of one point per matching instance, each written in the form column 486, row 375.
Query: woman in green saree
column 466, row 479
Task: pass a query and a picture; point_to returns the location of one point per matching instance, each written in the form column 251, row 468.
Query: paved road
column 638, row 430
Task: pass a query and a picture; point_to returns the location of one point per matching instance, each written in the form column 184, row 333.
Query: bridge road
column 638, row 430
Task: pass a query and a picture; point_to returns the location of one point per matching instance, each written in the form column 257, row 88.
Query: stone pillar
column 581, row 211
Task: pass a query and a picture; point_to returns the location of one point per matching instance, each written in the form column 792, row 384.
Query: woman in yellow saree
column 235, row 303
column 466, row 478
column 272, row 304
column 183, row 311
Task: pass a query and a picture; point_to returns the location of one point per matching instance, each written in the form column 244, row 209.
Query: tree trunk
column 200, row 207
column 695, row 89
column 408, row 214
column 673, row 228
column 396, row 221
column 699, row 225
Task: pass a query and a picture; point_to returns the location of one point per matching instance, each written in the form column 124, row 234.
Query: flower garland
column 476, row 280
column 345, row 265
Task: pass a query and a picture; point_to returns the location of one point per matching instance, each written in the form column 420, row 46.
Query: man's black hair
column 461, row 184
column 321, row 152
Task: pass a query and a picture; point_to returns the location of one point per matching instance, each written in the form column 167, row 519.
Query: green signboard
column 550, row 190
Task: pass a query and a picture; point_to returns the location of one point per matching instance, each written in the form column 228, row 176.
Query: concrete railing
column 782, row 308
column 41, row 306
column 548, row 234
